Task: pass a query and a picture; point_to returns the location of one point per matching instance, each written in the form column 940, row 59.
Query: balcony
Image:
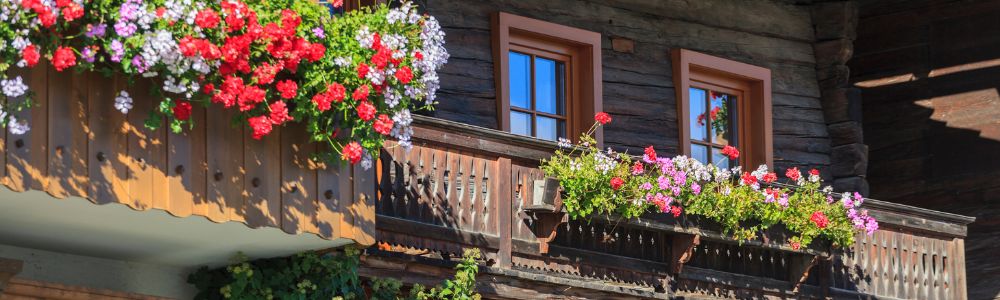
column 177, row 198
column 463, row 186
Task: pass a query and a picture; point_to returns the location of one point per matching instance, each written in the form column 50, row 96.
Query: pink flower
column 352, row 152
column 637, row 168
column 793, row 174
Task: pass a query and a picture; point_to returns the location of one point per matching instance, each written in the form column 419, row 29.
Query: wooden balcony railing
column 464, row 186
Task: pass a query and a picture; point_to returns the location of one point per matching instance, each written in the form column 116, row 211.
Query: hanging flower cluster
column 744, row 202
column 352, row 79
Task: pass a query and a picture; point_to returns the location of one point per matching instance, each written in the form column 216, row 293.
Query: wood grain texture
column 81, row 145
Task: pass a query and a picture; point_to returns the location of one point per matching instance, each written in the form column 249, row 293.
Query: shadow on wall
column 929, row 78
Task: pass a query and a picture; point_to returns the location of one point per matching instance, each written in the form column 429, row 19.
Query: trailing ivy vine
column 324, row 276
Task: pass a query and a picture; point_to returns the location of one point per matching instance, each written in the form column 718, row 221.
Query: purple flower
column 139, row 63
column 664, row 182
column 129, row 10
column 677, row 191
column 125, row 29
column 680, row 178
column 87, row 54
column 646, row 186
column 96, row 30
column 695, row 188
column 858, row 199
column 871, row 226
column 117, row 51
column 783, row 200
column 829, row 199
column 318, row 32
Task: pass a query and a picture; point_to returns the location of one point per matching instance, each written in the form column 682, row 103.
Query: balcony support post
column 681, row 250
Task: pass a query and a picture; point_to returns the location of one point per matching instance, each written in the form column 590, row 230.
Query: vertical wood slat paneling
column 263, row 184
column 107, row 141
column 145, row 158
column 298, row 175
column 68, row 129
column 111, row 157
column 186, row 180
column 25, row 171
column 224, row 144
column 333, row 195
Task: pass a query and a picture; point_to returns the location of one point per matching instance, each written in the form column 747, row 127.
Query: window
column 548, row 77
column 723, row 103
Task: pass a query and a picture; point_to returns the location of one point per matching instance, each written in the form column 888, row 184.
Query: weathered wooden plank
column 364, row 205
column 224, row 156
column 68, row 129
column 332, row 197
column 144, row 150
column 185, row 167
column 262, row 160
column 27, row 152
column 298, row 177
column 107, row 142
column 503, row 208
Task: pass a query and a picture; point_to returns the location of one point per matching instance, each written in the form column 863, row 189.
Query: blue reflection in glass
column 548, row 128
column 699, row 152
column 549, row 86
column 520, row 80
column 520, row 123
column 697, row 118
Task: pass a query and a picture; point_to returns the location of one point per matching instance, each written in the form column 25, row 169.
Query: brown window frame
column 580, row 51
column 754, row 124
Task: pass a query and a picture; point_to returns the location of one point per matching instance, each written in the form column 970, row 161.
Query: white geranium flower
column 123, row 102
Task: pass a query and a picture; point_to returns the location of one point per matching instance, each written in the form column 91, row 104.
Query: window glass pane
column 520, row 80
column 520, row 123
column 549, row 86
column 723, row 118
column 697, row 114
column 700, row 153
column 548, row 128
column 720, row 160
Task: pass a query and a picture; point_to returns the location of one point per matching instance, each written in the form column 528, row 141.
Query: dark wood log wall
column 638, row 87
column 929, row 73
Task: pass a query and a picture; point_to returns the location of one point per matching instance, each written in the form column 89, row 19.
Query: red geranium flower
column 316, row 52
column 72, row 11
column 289, row 89
column 207, row 18
column 383, row 124
column 814, row 172
column 820, row 219
column 279, row 113
column 366, row 111
column 748, row 179
column 676, row 211
column 30, row 55
column 603, row 118
column 793, row 174
column 731, row 152
column 63, row 58
column 404, row 75
column 337, row 3
column 208, row 89
column 770, row 177
column 182, row 110
column 46, row 17
column 361, row 93
column 352, row 152
column 616, row 183
column 362, row 70
column 418, row 55
column 637, row 168
column 795, row 245
column 650, row 154
column 261, row 126
column 381, row 58
column 337, row 91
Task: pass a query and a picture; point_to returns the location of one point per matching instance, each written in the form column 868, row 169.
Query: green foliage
column 329, row 276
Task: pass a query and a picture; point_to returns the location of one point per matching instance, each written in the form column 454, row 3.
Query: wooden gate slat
column 107, row 141
column 68, row 133
column 224, row 153
column 186, row 155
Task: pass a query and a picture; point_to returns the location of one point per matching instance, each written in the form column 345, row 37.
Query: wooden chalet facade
column 97, row 206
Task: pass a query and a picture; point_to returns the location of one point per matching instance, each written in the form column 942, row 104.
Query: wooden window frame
column 754, row 133
column 581, row 47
